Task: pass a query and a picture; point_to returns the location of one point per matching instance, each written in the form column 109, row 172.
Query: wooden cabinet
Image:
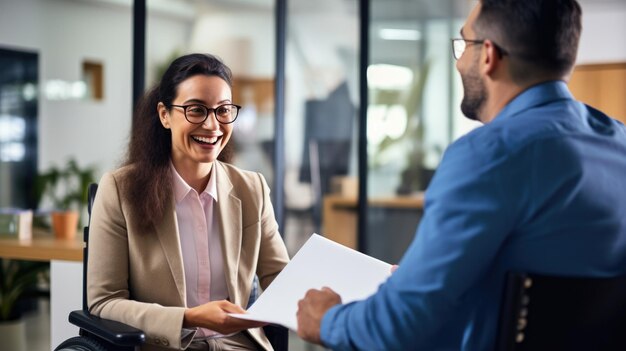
column 602, row 86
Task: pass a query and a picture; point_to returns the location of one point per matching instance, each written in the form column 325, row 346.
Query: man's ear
column 163, row 115
column 491, row 57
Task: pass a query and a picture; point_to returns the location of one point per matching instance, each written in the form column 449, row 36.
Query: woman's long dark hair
column 148, row 183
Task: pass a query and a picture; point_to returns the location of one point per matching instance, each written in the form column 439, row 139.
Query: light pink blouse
column 200, row 243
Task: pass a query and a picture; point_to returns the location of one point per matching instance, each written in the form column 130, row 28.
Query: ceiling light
column 400, row 34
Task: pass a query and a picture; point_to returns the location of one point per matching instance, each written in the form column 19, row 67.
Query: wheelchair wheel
column 80, row 343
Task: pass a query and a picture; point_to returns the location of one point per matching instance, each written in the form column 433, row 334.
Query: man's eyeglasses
column 197, row 113
column 459, row 45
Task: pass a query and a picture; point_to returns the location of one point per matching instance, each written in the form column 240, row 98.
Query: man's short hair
column 541, row 36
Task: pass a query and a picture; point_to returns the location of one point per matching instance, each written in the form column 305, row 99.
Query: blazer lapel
column 229, row 215
column 167, row 232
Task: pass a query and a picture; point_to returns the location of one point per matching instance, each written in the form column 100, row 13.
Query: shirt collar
column 181, row 188
column 536, row 95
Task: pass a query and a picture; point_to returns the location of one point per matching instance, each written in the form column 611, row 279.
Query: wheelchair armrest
column 114, row 332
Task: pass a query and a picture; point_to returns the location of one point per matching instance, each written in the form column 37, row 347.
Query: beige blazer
column 137, row 277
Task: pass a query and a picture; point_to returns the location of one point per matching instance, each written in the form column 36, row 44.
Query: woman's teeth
column 205, row 140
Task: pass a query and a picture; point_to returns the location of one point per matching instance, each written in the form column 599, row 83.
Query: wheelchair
column 99, row 334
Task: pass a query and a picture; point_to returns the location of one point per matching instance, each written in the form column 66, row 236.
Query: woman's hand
column 214, row 315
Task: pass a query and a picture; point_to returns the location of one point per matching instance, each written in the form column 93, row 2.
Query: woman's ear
column 163, row 115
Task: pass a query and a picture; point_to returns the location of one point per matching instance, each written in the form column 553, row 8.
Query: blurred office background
column 66, row 93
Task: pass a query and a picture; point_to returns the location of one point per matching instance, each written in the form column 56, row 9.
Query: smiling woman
column 197, row 140
column 176, row 211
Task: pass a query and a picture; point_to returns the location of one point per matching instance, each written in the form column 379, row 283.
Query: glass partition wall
column 411, row 116
column 414, row 93
column 321, row 110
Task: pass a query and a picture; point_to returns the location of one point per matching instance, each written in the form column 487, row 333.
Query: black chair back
column 542, row 312
column 91, row 195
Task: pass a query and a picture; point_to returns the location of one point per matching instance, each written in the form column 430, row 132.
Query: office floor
column 38, row 327
column 38, row 331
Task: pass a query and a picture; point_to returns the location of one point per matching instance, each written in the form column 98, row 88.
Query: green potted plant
column 18, row 280
column 411, row 142
column 66, row 190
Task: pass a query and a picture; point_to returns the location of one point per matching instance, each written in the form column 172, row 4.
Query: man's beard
column 474, row 96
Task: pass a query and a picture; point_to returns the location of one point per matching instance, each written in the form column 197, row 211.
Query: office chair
column 542, row 312
column 99, row 334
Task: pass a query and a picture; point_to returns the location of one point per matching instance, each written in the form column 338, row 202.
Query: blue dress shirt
column 542, row 188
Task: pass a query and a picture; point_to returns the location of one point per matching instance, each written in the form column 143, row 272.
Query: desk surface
column 42, row 247
column 414, row 201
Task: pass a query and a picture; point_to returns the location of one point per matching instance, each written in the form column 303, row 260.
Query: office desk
column 42, row 247
column 340, row 218
column 66, row 275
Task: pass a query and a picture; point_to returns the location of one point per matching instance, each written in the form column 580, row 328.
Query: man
column 540, row 187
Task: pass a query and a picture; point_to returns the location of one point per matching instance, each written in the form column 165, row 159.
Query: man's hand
column 311, row 309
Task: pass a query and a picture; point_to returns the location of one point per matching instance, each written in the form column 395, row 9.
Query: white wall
column 65, row 33
column 244, row 40
column 66, row 283
column 604, row 30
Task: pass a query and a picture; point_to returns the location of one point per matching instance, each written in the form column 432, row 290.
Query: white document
column 320, row 262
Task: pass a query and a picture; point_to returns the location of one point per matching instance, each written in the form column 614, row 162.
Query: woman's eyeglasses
column 197, row 113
